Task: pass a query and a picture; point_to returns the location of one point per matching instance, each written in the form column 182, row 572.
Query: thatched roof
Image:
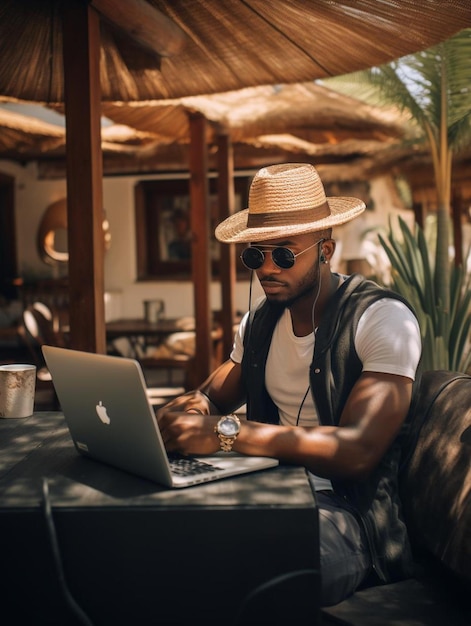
column 300, row 119
column 23, row 135
column 168, row 49
column 27, row 138
column 214, row 48
column 308, row 110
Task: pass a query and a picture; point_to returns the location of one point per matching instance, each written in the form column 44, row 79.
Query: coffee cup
column 17, row 389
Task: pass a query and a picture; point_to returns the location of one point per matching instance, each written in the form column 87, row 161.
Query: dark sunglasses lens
column 252, row 258
column 283, row 257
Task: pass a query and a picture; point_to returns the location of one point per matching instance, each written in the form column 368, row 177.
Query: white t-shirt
column 387, row 340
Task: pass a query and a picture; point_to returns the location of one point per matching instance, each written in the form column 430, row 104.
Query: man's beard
column 306, row 288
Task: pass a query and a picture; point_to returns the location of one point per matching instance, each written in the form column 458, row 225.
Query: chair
column 177, row 353
column 181, row 363
column 158, row 396
column 39, row 326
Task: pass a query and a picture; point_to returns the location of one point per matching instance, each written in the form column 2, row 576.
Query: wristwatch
column 227, row 430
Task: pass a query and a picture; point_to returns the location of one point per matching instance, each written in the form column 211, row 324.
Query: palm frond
column 428, row 291
column 445, row 332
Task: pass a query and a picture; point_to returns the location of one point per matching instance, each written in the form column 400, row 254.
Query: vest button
column 317, row 371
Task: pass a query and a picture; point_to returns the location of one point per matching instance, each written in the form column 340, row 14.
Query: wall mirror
column 52, row 234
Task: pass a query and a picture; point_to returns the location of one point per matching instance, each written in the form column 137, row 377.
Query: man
column 326, row 367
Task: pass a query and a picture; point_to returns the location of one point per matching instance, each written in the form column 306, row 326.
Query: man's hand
column 193, row 400
column 188, row 433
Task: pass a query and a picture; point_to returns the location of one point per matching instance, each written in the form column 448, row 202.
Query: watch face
column 228, row 426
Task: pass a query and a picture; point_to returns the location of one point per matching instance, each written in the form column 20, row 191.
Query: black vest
column 334, row 370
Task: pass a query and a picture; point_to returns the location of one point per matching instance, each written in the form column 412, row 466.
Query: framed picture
column 163, row 227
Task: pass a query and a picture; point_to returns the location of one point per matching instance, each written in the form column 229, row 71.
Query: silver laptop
column 110, row 419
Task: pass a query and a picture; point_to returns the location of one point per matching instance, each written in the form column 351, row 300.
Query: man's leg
column 345, row 559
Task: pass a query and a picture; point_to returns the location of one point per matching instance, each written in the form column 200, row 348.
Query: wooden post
column 81, row 47
column 227, row 267
column 200, row 257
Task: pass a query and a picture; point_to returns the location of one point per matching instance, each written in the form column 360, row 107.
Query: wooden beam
column 144, row 24
column 227, row 267
column 200, row 257
column 84, row 176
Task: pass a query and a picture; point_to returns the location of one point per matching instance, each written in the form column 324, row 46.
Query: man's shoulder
column 366, row 291
column 346, row 307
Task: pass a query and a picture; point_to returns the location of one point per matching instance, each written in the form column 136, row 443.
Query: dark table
column 140, row 332
column 141, row 327
column 134, row 552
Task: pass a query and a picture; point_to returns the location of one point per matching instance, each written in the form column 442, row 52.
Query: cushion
column 436, row 480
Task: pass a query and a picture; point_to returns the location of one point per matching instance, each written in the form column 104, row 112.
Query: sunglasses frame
column 273, row 249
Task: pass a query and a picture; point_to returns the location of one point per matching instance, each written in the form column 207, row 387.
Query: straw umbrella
column 169, row 49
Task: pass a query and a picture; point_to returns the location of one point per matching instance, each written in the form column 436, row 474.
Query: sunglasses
column 284, row 258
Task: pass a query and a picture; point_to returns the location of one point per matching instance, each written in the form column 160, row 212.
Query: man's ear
column 327, row 250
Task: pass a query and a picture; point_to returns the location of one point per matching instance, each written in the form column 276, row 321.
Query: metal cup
column 17, row 389
column 154, row 310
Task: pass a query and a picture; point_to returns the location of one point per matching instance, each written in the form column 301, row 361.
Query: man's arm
column 371, row 419
column 220, row 393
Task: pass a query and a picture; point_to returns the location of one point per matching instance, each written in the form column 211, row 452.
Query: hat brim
column 234, row 228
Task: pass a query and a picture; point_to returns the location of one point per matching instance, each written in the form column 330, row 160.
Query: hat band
column 284, row 218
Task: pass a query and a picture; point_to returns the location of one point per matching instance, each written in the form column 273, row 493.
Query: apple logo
column 102, row 414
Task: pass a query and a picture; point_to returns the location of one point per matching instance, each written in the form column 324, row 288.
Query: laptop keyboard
column 189, row 466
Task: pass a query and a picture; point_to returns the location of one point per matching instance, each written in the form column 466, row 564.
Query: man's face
column 288, row 285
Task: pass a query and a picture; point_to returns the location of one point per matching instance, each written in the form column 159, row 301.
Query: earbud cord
column 313, row 323
column 318, row 285
column 302, row 404
column 248, row 332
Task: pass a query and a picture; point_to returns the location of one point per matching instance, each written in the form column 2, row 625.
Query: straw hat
column 287, row 199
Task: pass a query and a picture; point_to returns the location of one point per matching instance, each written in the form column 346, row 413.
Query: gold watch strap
column 226, row 442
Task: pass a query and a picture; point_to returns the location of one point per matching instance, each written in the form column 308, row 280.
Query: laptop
column 110, row 419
